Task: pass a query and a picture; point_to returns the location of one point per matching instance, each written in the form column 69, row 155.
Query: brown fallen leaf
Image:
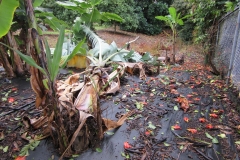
column 184, row 103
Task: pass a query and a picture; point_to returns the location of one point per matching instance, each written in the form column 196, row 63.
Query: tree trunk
column 17, row 64
column 5, row 61
column 174, row 47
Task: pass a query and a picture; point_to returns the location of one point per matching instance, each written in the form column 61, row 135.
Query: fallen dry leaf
column 147, row 133
column 176, row 127
column 209, row 126
column 202, row 120
column 20, row 158
column 186, row 119
column 213, row 115
column 11, row 99
column 184, row 103
column 192, row 130
column 127, row 145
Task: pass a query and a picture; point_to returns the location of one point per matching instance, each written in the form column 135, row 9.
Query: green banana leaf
column 7, row 9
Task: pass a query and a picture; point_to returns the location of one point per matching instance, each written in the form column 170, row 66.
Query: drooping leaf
column 7, row 9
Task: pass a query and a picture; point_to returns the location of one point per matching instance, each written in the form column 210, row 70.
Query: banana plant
column 172, row 20
column 88, row 11
column 52, row 61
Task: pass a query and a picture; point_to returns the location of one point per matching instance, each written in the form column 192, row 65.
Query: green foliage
column 147, row 12
column 29, row 60
column 205, row 14
column 7, row 8
column 88, row 12
column 185, row 31
column 53, row 62
column 138, row 15
column 60, row 12
column 123, row 8
column 172, row 20
column 101, row 52
column 31, row 146
column 230, row 6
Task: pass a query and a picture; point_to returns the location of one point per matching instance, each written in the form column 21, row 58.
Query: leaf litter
column 197, row 97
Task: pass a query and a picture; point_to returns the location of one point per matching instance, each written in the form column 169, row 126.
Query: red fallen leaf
column 202, row 120
column 172, row 86
column 209, row 126
column 192, row 87
column 14, row 89
column 144, row 103
column 126, row 145
column 20, row 158
column 153, row 78
column 11, row 99
column 186, row 119
column 221, row 111
column 135, row 84
column 192, row 130
column 189, row 95
column 174, row 91
column 184, row 103
column 147, row 133
column 196, row 99
column 213, row 115
column 176, row 127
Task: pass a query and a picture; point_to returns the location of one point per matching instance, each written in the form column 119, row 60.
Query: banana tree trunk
column 17, row 64
column 174, row 46
column 4, row 59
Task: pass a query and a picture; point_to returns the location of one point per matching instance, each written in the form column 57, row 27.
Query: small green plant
column 172, row 20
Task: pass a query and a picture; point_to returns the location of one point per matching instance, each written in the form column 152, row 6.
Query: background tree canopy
column 67, row 15
column 139, row 15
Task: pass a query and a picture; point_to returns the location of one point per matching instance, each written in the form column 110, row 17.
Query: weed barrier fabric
column 160, row 110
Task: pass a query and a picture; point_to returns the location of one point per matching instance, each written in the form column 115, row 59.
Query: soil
column 167, row 106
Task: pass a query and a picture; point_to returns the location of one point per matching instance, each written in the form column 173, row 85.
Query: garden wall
column 227, row 56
